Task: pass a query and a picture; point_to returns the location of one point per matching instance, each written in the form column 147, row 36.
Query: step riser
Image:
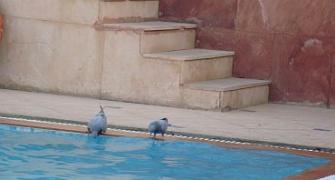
column 225, row 101
column 81, row 11
column 196, row 99
column 50, row 57
column 201, row 70
column 244, row 98
column 209, row 69
column 152, row 83
column 160, row 41
column 128, row 10
column 68, row 11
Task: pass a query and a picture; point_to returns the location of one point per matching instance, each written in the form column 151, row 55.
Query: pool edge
column 189, row 135
column 80, row 127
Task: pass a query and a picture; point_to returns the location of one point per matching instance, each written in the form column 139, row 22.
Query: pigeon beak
column 164, row 119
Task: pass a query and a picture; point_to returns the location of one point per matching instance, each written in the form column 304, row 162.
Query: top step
column 228, row 84
column 125, row 0
column 149, row 26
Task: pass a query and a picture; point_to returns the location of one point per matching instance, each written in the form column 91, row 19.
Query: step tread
column 228, row 84
column 150, row 26
column 125, row 0
column 189, row 54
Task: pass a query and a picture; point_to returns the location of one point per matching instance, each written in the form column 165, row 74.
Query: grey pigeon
column 98, row 125
column 159, row 126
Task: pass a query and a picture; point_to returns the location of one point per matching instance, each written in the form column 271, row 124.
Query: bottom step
column 225, row 94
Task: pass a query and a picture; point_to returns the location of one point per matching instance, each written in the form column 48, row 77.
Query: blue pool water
column 27, row 153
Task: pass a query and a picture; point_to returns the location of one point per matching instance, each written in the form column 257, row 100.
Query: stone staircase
column 156, row 62
column 137, row 58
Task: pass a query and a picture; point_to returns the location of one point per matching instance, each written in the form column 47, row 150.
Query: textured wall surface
column 45, row 46
column 1, row 26
column 291, row 42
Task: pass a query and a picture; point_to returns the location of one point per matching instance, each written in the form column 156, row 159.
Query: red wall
column 1, row 26
column 291, row 42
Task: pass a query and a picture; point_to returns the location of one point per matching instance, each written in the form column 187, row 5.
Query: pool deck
column 289, row 124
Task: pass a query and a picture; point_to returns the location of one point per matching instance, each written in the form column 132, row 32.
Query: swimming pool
column 29, row 153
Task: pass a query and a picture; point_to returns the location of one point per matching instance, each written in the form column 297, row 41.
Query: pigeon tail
column 102, row 109
column 95, row 133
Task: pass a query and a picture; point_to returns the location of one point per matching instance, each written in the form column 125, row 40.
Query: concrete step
column 157, row 36
column 189, row 54
column 116, row 10
column 149, row 26
column 225, row 94
column 198, row 64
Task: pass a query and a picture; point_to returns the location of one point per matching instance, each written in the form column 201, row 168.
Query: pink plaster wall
column 1, row 27
column 291, row 42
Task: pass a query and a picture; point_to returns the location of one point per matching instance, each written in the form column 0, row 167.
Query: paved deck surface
column 271, row 122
